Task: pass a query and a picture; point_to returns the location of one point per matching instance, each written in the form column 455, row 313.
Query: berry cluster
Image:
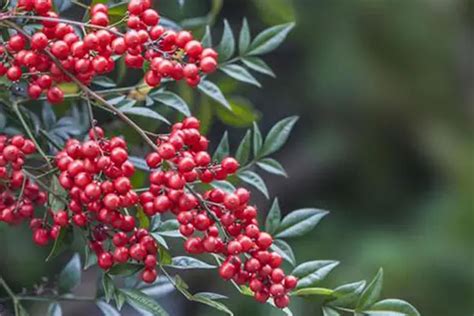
column 170, row 54
column 18, row 195
column 183, row 154
column 96, row 174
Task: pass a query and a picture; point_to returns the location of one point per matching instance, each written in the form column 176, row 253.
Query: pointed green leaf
column 141, row 301
column 347, row 295
column 392, row 307
column 226, row 47
column 125, row 269
column 212, row 90
column 278, row 135
column 299, row 222
column 108, row 286
column 257, row 140
column 243, row 151
column 107, row 309
column 104, row 82
column 312, row 272
column 207, row 38
column 270, row 39
column 327, row 311
column 270, row 165
column 173, row 101
column 258, row 65
column 55, row 202
column 183, row 262
column 222, row 149
column 273, row 218
column 145, row 112
column 239, row 73
column 284, row 250
column 371, row 293
column 254, row 180
column 54, row 309
column 70, row 276
column 223, row 185
column 313, row 291
column 244, row 37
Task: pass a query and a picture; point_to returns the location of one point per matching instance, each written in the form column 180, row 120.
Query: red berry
column 149, row 275
column 55, row 95
column 105, row 260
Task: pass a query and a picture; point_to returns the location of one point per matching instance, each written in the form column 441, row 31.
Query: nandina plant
column 71, row 175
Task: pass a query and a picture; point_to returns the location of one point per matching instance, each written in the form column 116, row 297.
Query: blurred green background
column 385, row 142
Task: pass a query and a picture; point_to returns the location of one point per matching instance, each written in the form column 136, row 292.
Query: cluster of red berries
column 170, row 54
column 96, row 174
column 183, row 154
column 18, row 195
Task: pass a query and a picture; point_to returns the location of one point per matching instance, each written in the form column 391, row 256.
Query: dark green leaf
column 226, row 47
column 48, row 117
column 239, row 73
column 284, row 250
column 119, row 299
column 270, row 165
column 54, row 309
column 108, row 286
column 107, row 309
column 257, row 140
column 312, row 272
column 273, row 218
column 212, row 90
column 347, row 295
column 244, row 37
column 64, row 239
column 169, row 228
column 243, row 151
column 183, row 262
column 117, row 11
column 278, row 135
column 392, row 307
column 145, row 112
column 270, row 39
column 258, row 65
column 125, row 269
column 254, row 180
column 104, row 82
column 210, row 295
column 55, row 200
column 70, row 276
column 222, row 149
column 327, row 311
column 173, row 101
column 371, row 293
column 141, row 301
column 207, row 38
column 299, row 222
column 210, row 302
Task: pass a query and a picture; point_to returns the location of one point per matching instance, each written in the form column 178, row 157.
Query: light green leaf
column 183, row 262
column 284, row 250
column 104, row 82
column 226, row 47
column 392, row 307
column 207, row 38
column 244, row 37
column 169, row 228
column 312, row 272
column 223, row 185
column 347, row 295
column 54, row 309
column 299, row 222
column 242, row 113
column 145, row 112
column 270, row 39
column 371, row 293
column 141, row 301
column 258, row 65
column 270, row 165
column 173, row 101
column 222, row 149
column 143, row 219
column 257, row 140
column 254, row 180
column 327, row 311
column 278, row 135
column 108, row 286
column 125, row 269
column 243, row 151
column 70, row 276
column 273, row 218
column 313, row 291
column 239, row 73
column 213, row 91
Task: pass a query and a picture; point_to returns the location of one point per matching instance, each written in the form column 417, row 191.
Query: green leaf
column 254, row 180
column 54, row 309
column 347, row 295
column 310, row 291
column 226, row 47
column 222, row 149
column 107, row 309
column 159, row 239
column 270, row 39
column 169, row 228
column 117, row 11
column 299, row 222
column 56, row 204
column 141, row 301
column 125, row 269
column 242, row 113
column 164, row 256
column 244, row 37
column 145, row 112
column 392, row 307
column 70, row 276
column 327, row 311
column 371, row 293
column 173, row 101
column 278, row 135
column 273, row 218
column 183, row 262
column 143, row 220
column 104, row 82
column 239, row 73
column 243, row 151
column 212, row 90
column 210, row 302
column 312, row 272
column 206, row 40
column 284, row 250
column 64, row 239
column 210, row 295
column 258, row 65
column 257, row 140
column 223, row 185
column 270, row 165
column 108, row 286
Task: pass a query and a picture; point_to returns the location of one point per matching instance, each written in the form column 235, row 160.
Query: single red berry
column 105, row 260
